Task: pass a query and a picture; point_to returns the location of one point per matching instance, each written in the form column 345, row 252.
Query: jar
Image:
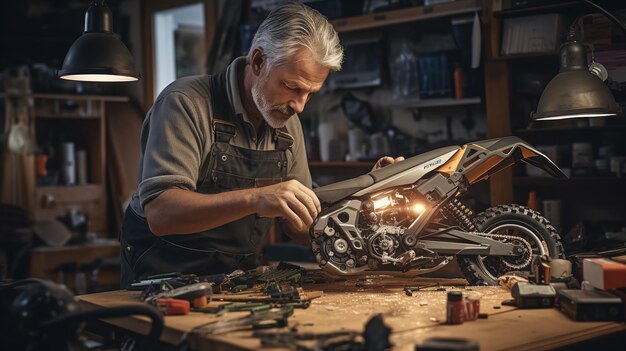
column 455, row 308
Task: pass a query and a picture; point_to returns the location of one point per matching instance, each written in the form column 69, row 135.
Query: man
column 223, row 155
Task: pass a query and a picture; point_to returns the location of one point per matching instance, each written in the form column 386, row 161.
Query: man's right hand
column 290, row 200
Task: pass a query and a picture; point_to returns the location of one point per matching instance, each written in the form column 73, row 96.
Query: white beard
column 265, row 109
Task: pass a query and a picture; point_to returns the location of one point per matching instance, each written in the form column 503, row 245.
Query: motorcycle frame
column 454, row 170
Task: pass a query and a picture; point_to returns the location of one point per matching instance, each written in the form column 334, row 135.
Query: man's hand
column 386, row 161
column 290, row 200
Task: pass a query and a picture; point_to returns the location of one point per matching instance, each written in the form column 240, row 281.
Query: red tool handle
column 172, row 307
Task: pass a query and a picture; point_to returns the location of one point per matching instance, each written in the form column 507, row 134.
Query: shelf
column 340, row 164
column 576, row 181
column 537, row 9
column 69, row 97
column 411, row 14
column 529, row 56
column 101, row 243
column 607, row 128
column 443, row 102
column 67, row 116
column 39, row 39
column 77, row 187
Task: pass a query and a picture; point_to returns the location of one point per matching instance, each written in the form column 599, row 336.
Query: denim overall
column 227, row 247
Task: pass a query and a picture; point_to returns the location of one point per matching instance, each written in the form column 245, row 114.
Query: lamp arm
column 605, row 13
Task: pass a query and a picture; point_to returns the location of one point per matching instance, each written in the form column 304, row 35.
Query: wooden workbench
column 349, row 305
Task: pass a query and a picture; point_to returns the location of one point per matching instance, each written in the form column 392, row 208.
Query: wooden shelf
column 607, row 128
column 67, row 116
column 44, row 261
column 69, row 97
column 411, row 14
column 80, row 118
column 443, row 102
column 77, row 187
column 536, row 9
column 529, row 56
column 340, row 164
column 576, row 181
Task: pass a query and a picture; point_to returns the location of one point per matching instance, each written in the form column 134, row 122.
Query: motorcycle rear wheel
column 509, row 222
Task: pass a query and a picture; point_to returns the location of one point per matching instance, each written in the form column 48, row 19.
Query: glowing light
column 382, row 202
column 98, row 78
column 419, row 208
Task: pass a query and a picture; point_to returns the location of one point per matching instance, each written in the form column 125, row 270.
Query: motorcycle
column 408, row 219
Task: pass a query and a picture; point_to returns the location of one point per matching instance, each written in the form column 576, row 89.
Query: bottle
column 314, row 144
column 533, row 201
column 458, row 82
column 454, row 308
column 325, row 133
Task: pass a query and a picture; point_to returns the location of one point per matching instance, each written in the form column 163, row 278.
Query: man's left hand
column 386, row 161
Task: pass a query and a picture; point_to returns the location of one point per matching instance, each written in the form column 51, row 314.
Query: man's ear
column 258, row 61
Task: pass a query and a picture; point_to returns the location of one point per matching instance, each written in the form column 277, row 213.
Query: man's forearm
column 177, row 211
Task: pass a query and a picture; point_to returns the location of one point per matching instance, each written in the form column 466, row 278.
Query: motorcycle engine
column 369, row 234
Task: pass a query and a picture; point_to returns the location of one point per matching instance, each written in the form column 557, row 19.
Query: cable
column 15, row 283
column 146, row 310
column 607, row 14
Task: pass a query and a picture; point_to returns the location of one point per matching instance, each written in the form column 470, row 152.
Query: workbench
column 349, row 305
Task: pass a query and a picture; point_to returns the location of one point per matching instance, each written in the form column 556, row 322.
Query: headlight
column 418, row 208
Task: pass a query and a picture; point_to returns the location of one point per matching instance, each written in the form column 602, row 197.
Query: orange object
column 200, row 302
column 605, row 274
column 40, row 163
column 533, row 201
column 171, row 307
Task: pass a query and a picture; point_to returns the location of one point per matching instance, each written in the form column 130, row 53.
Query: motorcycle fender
column 482, row 159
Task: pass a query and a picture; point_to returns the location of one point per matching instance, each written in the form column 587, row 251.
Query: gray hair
column 292, row 26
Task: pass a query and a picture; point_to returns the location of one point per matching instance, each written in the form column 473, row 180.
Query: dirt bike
column 407, row 219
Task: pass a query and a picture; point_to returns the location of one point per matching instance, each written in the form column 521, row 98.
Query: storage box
column 584, row 305
column 532, row 34
column 604, row 273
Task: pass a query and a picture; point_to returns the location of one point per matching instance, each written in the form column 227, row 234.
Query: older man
column 223, row 155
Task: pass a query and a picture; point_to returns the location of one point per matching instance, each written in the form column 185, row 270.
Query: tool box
column 591, row 305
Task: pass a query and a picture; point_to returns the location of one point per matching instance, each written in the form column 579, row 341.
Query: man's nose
column 298, row 103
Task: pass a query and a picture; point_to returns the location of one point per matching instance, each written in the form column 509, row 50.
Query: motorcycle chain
column 512, row 237
column 462, row 213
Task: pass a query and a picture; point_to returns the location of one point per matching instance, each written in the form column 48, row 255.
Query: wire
column 146, row 310
column 607, row 14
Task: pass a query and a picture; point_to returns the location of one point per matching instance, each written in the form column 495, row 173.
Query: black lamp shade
column 575, row 92
column 98, row 55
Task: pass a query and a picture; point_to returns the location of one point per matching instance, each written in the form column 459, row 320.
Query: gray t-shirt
column 176, row 137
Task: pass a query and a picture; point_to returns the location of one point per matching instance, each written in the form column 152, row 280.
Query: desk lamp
column 98, row 55
column 577, row 90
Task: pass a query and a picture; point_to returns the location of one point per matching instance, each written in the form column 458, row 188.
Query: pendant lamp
column 98, row 55
column 577, row 91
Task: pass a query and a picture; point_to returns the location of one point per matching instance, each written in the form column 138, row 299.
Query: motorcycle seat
column 334, row 192
column 391, row 170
